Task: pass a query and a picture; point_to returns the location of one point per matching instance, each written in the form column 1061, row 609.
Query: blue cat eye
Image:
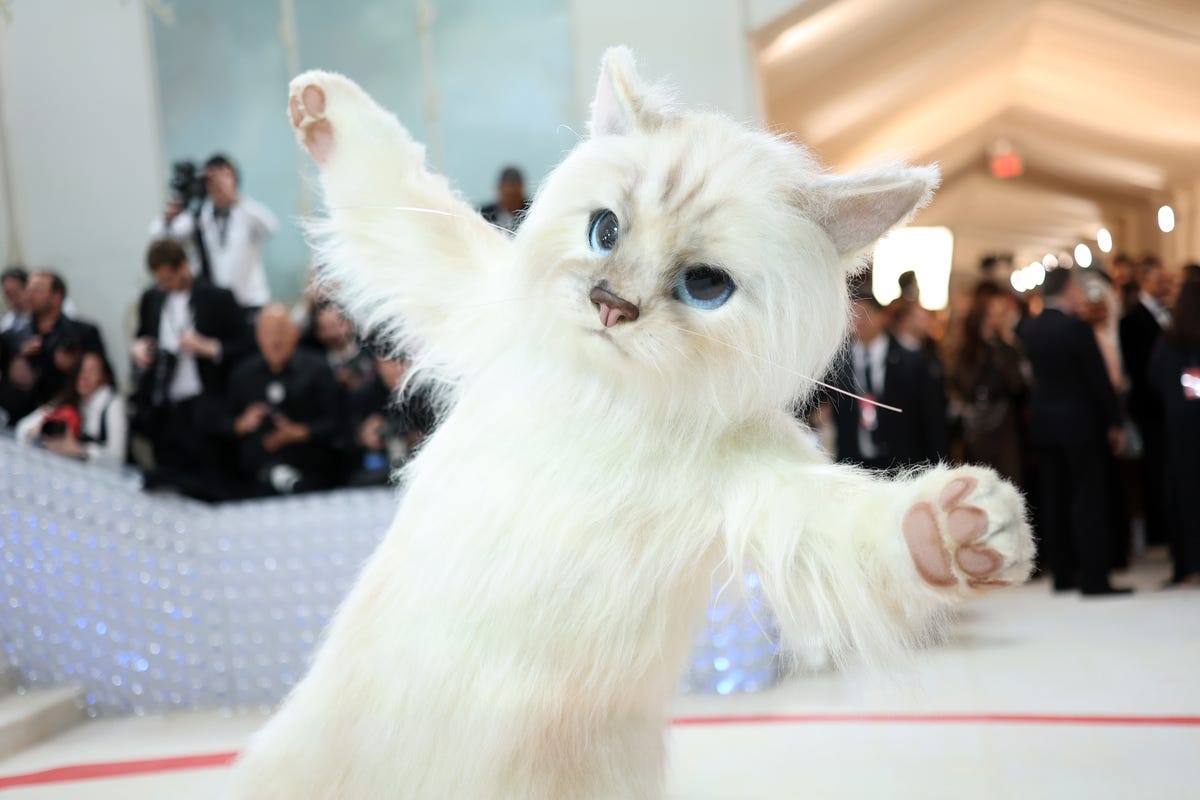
column 704, row 287
column 602, row 235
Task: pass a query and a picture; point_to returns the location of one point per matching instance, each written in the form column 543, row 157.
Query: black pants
column 188, row 457
column 1154, row 478
column 1075, row 514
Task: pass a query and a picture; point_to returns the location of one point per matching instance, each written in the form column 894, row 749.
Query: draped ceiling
column 1099, row 98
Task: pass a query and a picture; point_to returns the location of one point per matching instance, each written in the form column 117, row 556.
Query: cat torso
column 537, row 590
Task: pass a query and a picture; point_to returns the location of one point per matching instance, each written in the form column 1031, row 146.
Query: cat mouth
column 606, row 336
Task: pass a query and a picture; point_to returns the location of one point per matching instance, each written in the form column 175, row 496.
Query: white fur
column 520, row 630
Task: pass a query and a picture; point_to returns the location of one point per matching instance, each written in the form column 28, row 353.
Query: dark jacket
column 912, row 382
column 1170, row 365
column 1139, row 332
column 49, row 381
column 1072, row 401
column 215, row 314
column 304, row 392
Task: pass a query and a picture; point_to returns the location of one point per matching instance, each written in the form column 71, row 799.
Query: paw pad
column 946, row 541
column 307, row 111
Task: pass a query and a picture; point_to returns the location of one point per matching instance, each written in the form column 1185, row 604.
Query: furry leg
column 873, row 562
column 402, row 251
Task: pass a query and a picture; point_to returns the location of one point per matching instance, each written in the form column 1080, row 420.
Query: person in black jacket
column 286, row 407
column 1140, row 330
column 189, row 336
column 1175, row 381
column 1075, row 415
column 387, row 429
column 879, row 368
column 44, row 352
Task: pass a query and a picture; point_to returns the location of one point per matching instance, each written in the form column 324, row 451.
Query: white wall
column 701, row 48
column 83, row 149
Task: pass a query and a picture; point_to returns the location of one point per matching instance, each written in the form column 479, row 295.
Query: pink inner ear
column 608, row 115
column 859, row 209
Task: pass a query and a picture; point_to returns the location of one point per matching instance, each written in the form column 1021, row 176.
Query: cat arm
column 872, row 561
column 405, row 255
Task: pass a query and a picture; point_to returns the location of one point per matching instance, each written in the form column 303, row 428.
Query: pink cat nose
column 613, row 309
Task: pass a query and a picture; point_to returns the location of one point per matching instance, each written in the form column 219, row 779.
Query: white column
column 83, row 146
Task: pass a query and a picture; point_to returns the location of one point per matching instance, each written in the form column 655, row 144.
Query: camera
column 187, row 182
column 54, row 428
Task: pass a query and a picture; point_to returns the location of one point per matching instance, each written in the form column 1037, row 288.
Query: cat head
column 680, row 251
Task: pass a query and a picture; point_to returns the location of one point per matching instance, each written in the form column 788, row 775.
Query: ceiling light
column 1166, row 219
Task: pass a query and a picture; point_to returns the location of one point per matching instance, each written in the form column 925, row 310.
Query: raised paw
column 967, row 529
column 306, row 107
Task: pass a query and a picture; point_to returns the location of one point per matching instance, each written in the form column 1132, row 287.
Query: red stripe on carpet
column 113, row 769
column 943, row 719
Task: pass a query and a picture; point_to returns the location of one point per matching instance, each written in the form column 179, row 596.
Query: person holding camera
column 189, row 336
column 87, row 421
column 227, row 243
column 42, row 353
column 286, row 405
column 388, row 429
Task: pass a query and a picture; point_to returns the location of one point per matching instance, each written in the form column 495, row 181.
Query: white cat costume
column 619, row 437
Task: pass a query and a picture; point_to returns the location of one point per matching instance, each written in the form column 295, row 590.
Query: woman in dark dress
column 988, row 382
column 1175, row 377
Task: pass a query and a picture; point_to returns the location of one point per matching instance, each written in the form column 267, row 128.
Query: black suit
column 48, row 380
column 1140, row 331
column 912, row 382
column 1073, row 405
column 192, row 449
column 492, row 213
column 1168, row 364
column 305, row 392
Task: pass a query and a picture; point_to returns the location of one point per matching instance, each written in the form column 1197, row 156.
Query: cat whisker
column 418, row 209
column 790, row 371
column 572, row 130
column 501, row 301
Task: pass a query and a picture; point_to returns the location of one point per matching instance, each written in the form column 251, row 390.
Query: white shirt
column 175, row 320
column 1160, row 313
column 871, row 356
column 103, row 411
column 234, row 247
column 12, row 321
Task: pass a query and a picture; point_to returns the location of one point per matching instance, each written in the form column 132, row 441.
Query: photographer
column 87, row 421
column 232, row 229
column 44, row 351
column 285, row 403
column 188, row 338
column 388, row 429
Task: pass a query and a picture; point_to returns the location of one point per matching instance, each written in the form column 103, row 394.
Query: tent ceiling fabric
column 1100, row 98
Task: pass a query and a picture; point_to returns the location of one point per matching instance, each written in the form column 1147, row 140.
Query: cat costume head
column 682, row 248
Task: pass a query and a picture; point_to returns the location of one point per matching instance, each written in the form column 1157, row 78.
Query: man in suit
column 879, row 368
column 1140, row 331
column 288, row 412
column 1075, row 416
column 189, row 337
column 46, row 348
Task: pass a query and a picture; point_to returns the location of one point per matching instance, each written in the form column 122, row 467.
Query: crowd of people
column 1087, row 396
column 232, row 396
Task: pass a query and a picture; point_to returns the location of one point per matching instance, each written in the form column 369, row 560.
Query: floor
column 1037, row 696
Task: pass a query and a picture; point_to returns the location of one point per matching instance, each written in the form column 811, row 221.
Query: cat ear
column 622, row 103
column 857, row 209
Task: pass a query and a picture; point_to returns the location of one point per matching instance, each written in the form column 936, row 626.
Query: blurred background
column 1052, row 119
column 199, row 445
